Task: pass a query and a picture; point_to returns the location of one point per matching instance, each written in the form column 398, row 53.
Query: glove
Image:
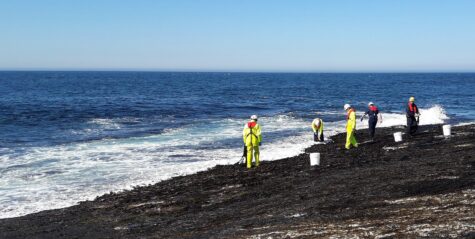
column 260, row 143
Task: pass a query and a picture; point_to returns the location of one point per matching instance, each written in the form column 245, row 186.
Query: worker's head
column 254, row 117
column 370, row 103
column 347, row 106
column 411, row 99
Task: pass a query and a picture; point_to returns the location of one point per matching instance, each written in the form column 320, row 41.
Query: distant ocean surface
column 71, row 136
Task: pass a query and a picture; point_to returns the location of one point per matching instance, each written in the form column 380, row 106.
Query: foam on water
column 39, row 178
column 465, row 123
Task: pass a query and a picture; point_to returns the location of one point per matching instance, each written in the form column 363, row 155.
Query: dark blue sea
column 71, row 136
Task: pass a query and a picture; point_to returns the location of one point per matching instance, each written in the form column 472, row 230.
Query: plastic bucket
column 314, row 159
column 398, row 136
column 447, row 130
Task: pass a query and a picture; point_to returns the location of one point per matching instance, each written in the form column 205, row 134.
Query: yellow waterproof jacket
column 251, row 134
column 317, row 128
column 351, row 120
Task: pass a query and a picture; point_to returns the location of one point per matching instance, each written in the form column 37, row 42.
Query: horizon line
column 226, row 71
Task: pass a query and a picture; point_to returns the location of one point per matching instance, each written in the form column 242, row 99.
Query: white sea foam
column 106, row 123
column 43, row 178
column 465, row 123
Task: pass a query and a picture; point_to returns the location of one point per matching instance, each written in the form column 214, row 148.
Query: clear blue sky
column 239, row 35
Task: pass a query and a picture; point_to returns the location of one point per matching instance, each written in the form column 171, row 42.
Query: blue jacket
column 372, row 113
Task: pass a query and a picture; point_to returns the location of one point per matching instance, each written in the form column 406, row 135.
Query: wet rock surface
column 421, row 187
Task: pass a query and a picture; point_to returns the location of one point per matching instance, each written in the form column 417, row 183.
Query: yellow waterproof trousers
column 350, row 139
column 250, row 150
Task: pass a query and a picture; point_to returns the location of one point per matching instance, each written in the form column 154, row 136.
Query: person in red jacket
column 412, row 115
column 373, row 118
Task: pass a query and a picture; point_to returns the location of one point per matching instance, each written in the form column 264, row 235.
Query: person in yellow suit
column 350, row 127
column 317, row 126
column 252, row 138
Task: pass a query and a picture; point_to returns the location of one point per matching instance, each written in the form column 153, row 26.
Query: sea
column 71, row 136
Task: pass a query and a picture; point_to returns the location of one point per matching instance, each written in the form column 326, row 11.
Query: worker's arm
column 258, row 133
column 314, row 127
column 244, row 133
column 320, row 130
column 362, row 117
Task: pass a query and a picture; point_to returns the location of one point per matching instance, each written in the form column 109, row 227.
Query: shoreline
column 340, row 197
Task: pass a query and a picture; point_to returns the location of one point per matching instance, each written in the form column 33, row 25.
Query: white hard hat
column 370, row 103
column 347, row 106
column 254, row 117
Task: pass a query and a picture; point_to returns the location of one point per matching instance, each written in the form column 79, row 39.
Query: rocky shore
column 421, row 187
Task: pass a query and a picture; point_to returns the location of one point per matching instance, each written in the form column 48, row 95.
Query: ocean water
column 72, row 136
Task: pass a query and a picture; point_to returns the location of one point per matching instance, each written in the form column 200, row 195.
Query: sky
column 239, row 35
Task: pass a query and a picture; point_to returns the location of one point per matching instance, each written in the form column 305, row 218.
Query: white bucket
column 447, row 129
column 398, row 136
column 314, row 159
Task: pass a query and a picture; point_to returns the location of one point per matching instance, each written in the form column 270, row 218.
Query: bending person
column 252, row 138
column 317, row 126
